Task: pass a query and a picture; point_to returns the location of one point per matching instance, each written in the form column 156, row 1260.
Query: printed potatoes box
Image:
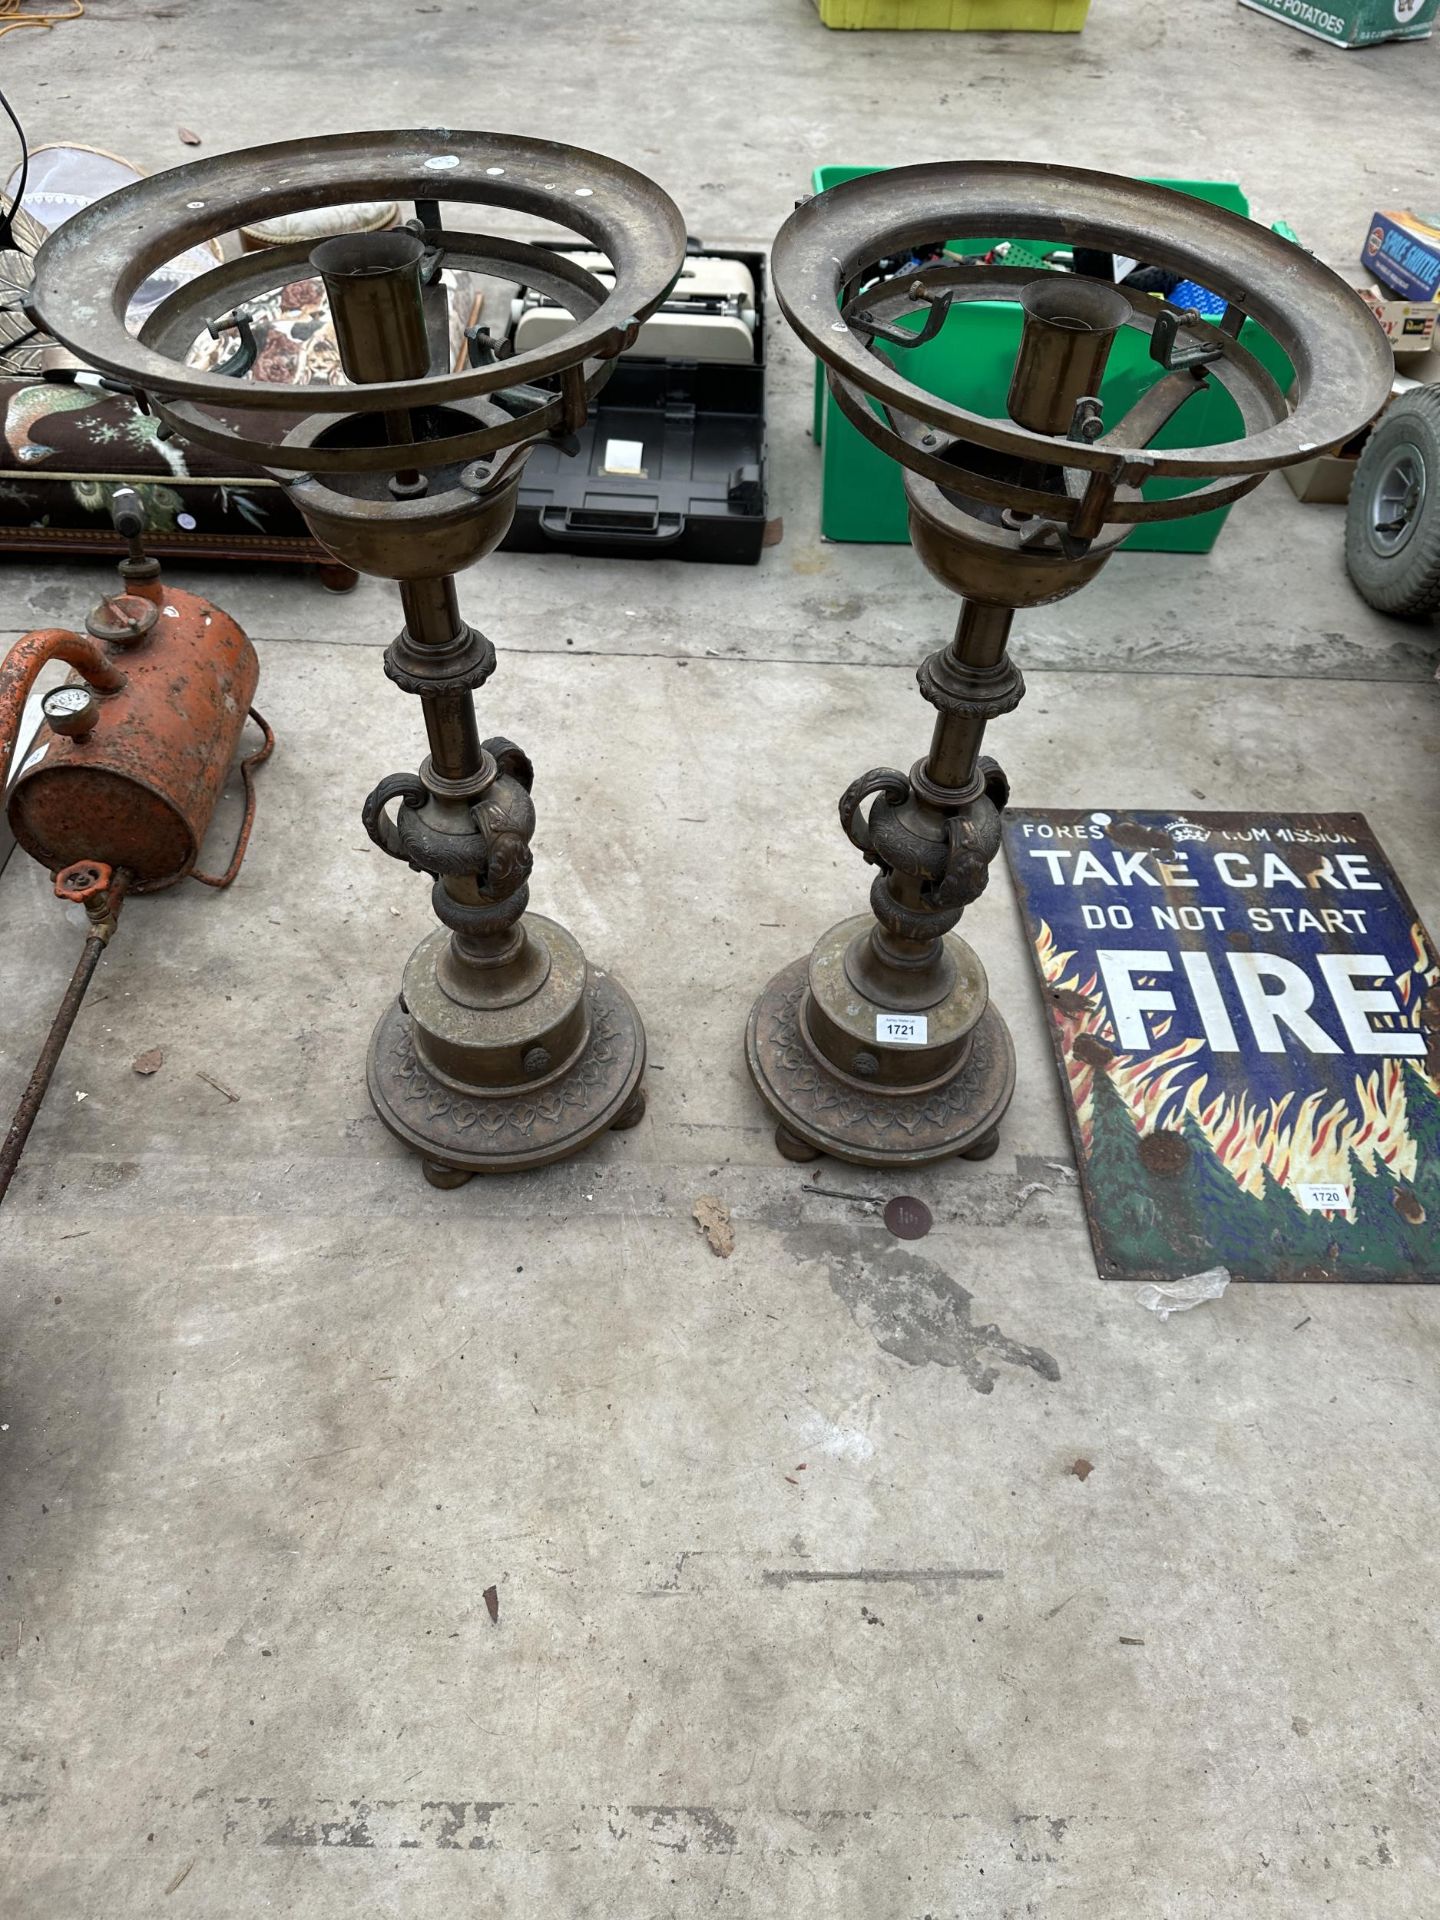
column 1404, row 252
column 1354, row 23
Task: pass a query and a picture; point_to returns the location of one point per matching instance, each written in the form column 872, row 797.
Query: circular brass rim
column 1342, row 360
column 116, row 243
column 244, row 432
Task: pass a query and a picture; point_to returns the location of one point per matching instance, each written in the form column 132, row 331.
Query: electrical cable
column 7, row 224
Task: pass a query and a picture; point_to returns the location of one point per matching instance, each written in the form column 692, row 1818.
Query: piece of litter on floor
column 491, row 1598
column 1065, row 1173
column 1030, row 1188
column 181, row 1877
column 1128, row 1640
column 82, row 1096
column 1180, row 1295
column 1082, row 1469
column 188, row 136
column 218, row 1085
column 838, row 1193
column 147, row 1063
column 713, row 1220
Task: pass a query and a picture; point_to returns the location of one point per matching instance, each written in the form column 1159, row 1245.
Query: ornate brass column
column 504, row 1049
column 882, row 1046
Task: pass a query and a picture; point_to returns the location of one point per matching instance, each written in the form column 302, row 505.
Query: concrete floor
column 274, row 1414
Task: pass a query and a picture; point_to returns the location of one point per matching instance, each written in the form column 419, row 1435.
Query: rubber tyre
column 1407, row 582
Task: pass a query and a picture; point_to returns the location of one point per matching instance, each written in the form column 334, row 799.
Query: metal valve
column 127, row 516
column 122, row 619
column 84, row 881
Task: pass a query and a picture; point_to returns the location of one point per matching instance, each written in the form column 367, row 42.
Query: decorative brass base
column 461, row 1128
column 822, row 1110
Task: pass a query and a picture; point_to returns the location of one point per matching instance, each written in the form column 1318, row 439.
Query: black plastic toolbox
column 701, row 495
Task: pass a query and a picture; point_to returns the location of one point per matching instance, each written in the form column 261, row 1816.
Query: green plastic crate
column 969, row 362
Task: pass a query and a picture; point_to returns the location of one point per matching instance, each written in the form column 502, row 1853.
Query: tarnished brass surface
column 478, row 1029
column 835, row 1113
column 475, row 1130
column 88, row 269
column 504, row 1049
column 883, row 1047
column 1341, row 357
column 848, row 984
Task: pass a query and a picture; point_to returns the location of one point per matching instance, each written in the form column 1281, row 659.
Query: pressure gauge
column 72, row 711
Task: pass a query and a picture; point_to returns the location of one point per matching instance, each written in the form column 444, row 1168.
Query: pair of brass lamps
column 505, row 1049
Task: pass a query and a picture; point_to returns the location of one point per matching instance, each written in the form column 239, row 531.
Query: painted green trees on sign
column 1422, row 1123
column 1139, row 1217
column 1170, row 1203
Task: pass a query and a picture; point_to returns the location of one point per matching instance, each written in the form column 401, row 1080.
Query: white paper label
column 625, row 456
column 1323, row 1199
column 902, row 1029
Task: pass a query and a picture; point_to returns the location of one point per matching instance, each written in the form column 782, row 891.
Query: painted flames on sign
column 1311, row 1143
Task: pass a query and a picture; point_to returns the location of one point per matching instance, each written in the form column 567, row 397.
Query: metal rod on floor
column 102, row 925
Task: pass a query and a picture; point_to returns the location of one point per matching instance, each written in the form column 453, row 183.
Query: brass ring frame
column 120, row 240
column 179, row 318
column 1246, row 379
column 1342, row 361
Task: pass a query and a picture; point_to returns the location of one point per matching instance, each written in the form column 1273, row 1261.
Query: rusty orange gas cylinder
column 135, row 751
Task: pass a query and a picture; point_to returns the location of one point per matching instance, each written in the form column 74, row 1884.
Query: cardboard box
column 1403, row 252
column 1354, row 23
column 1416, row 370
column 1409, row 324
column 1324, row 482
